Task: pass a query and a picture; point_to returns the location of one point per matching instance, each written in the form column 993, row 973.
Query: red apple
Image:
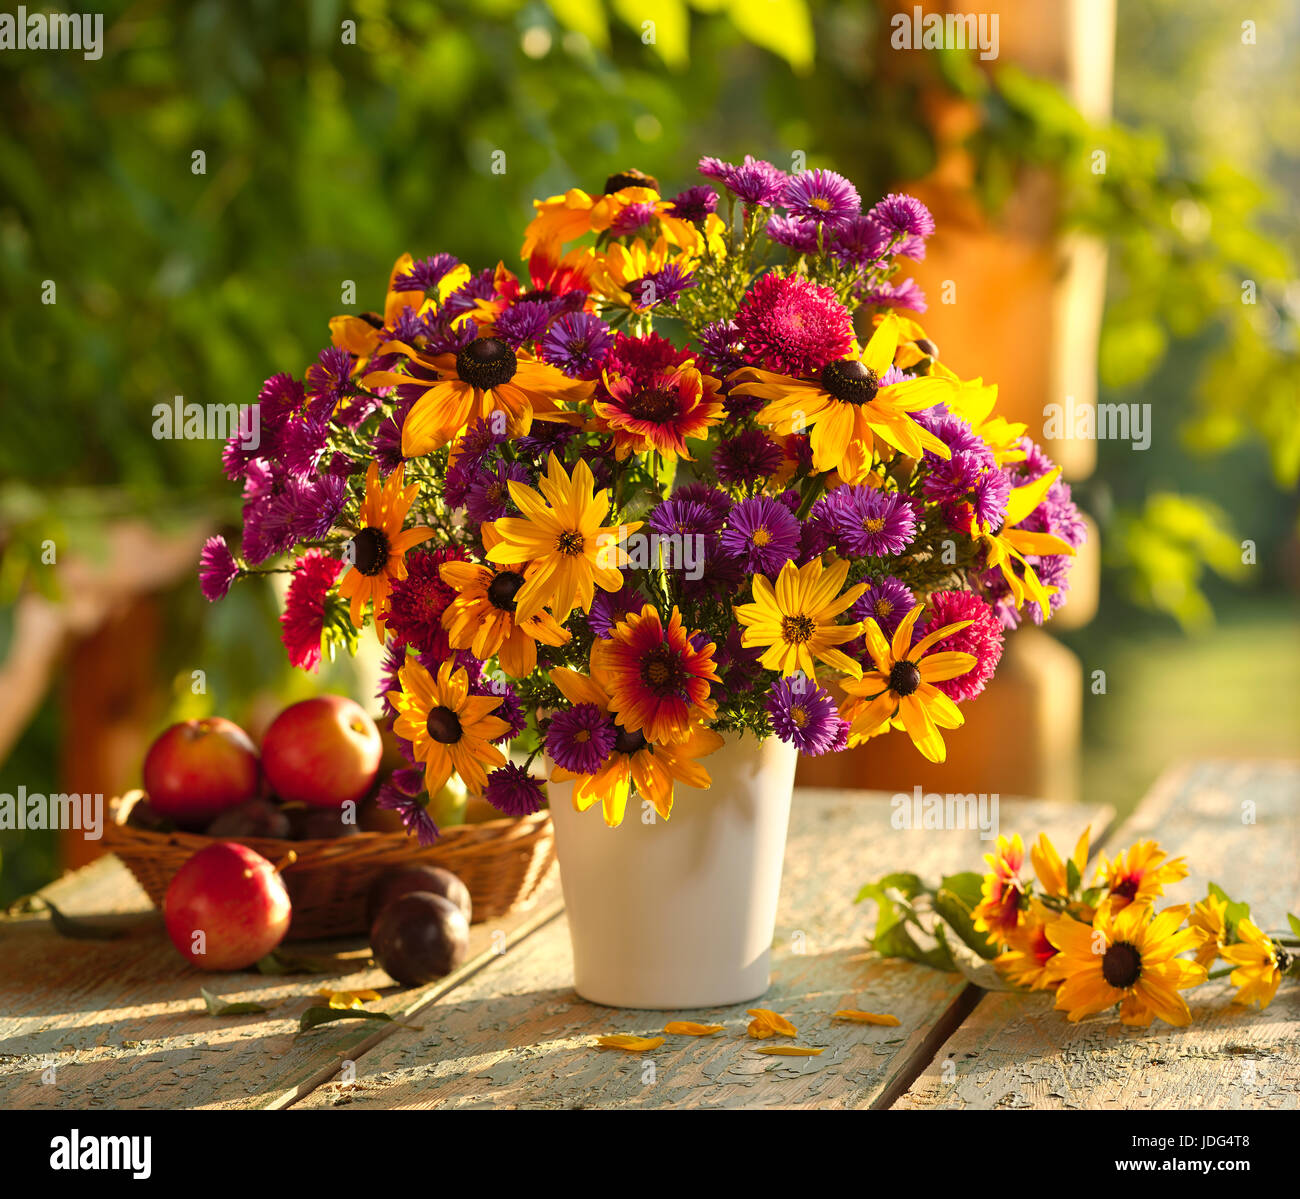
column 226, row 907
column 323, row 751
column 199, row 768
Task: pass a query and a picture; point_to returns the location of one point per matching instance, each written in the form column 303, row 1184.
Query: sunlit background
column 1160, row 273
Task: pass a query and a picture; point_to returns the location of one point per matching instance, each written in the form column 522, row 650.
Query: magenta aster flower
column 634, row 220
column 754, row 181
column 412, row 808
column 821, row 197
column 642, row 358
column 577, row 343
column 797, row 235
column 749, row 456
column 903, row 214
column 717, row 502
column 983, row 639
column 803, row 715
column 417, row 602
column 512, row 790
column 868, row 522
column 860, row 241
column 904, row 294
column 791, row 326
column 581, row 738
column 426, row 274
column 303, row 621
column 217, row 569
column 694, row 204
column 763, row 534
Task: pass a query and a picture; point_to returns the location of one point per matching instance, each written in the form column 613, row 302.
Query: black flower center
column 370, row 551
column 444, row 725
column 928, row 348
column 795, row 630
column 655, row 404
column 570, row 543
column 1127, row 887
column 849, row 381
column 486, row 362
column 538, row 293
column 629, row 743
column 630, row 178
column 1122, row 965
column 904, row 678
column 661, row 671
column 502, row 590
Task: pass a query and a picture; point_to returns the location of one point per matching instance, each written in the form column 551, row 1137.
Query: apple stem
column 288, row 860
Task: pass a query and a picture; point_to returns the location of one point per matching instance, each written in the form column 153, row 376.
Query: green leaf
column 281, row 961
column 1072, row 876
column 909, row 885
column 669, row 27
column 1294, row 922
column 892, row 938
column 586, row 17
column 77, row 929
column 955, row 901
column 219, row 1007
column 313, row 1017
column 782, row 26
column 1234, row 913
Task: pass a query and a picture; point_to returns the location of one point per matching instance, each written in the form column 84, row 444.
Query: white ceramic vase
column 680, row 913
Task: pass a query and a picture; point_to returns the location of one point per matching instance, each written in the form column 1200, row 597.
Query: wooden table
column 119, row 1024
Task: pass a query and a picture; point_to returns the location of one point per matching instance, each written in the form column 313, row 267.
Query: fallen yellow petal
column 688, row 1028
column 789, row 1050
column 622, row 1040
column 766, row 1023
column 866, row 1017
column 347, row 1000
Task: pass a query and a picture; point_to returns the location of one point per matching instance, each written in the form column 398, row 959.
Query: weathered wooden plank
column 1015, row 1051
column 120, row 1024
column 519, row 1036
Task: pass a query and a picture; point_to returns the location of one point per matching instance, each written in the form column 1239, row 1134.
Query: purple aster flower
column 545, row 437
column 664, row 286
column 611, row 608
column 800, row 236
column 989, row 498
column 634, row 220
column 821, row 196
column 415, row 815
column 302, row 442
column 719, row 346
column 217, row 569
column 581, row 738
column 762, row 533
column 488, row 495
column 477, row 442
column 386, row 445
column 318, row 505
column 911, row 247
column 803, row 715
column 717, row 502
column 510, row 709
column 330, row 377
column 426, row 274
column 754, row 181
column 886, row 602
column 524, row 321
column 747, row 457
column 903, row 214
column 904, row 294
column 465, row 298
column 456, row 484
column 860, row 241
column 954, row 432
column 577, row 343
column 714, row 168
column 737, row 663
column 512, row 790
column 868, row 522
column 677, row 516
column 694, row 204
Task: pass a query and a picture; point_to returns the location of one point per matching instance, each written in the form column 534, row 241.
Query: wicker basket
column 503, row 863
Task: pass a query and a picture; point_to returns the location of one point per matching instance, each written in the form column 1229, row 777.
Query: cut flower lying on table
column 695, row 468
column 1096, row 947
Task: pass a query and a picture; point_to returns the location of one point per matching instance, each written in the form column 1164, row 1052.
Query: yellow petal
column 629, row 1043
column 790, row 1050
column 767, row 1022
column 688, row 1028
column 866, row 1017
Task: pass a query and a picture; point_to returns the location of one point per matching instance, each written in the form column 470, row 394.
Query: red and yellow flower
column 660, row 416
column 1028, row 950
column 377, row 553
column 1260, row 963
column 658, row 679
column 1140, row 874
column 999, row 910
column 653, row 769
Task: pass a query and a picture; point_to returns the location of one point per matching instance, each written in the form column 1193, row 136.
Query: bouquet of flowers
column 693, row 470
